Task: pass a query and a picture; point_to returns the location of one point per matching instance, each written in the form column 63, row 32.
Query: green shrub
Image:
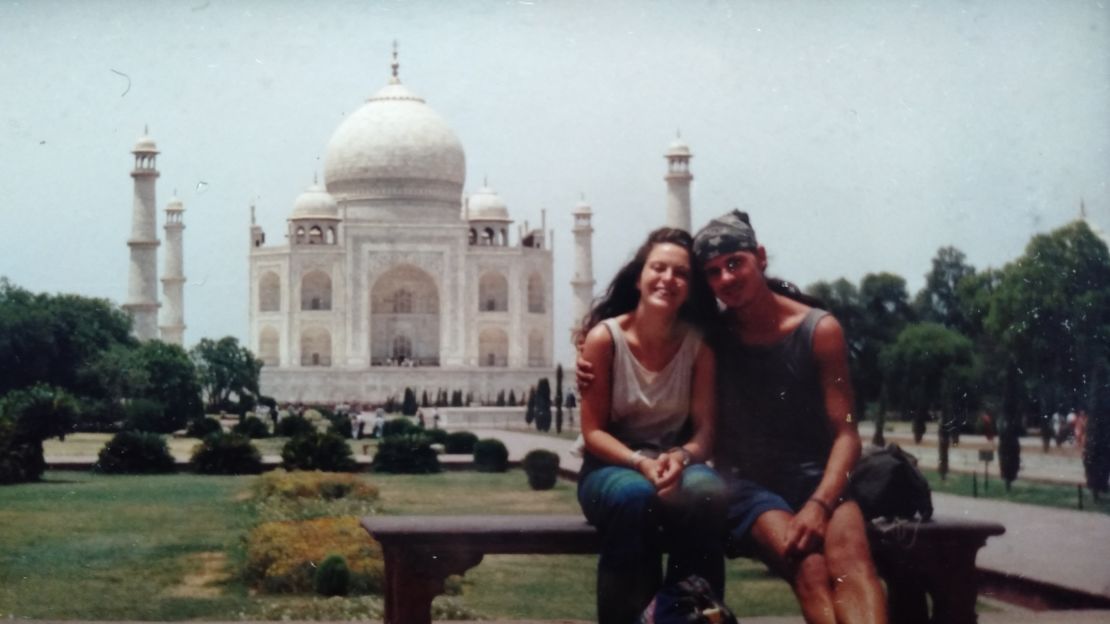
column 315, row 484
column 490, row 455
column 226, row 454
column 293, row 425
column 21, row 460
column 436, row 436
column 282, row 557
column 460, row 443
column 542, row 468
column 201, row 427
column 251, row 427
column 318, row 451
column 333, row 578
column 135, row 452
column 398, row 427
column 406, row 454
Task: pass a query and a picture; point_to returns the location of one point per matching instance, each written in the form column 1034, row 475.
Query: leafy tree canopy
column 226, row 368
column 1051, row 313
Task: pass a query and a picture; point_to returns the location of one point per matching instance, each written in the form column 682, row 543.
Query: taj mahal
column 389, row 275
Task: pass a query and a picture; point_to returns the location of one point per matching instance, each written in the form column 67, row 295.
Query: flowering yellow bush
column 313, row 484
column 282, row 556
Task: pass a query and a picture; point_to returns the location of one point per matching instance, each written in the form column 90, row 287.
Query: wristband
column 828, row 508
column 635, row 458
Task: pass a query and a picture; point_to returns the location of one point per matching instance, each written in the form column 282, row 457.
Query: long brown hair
column 622, row 295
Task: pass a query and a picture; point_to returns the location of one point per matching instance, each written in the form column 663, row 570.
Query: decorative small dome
column 678, row 147
column 487, row 205
column 175, row 204
column 315, row 203
column 395, row 145
column 145, row 144
column 582, row 208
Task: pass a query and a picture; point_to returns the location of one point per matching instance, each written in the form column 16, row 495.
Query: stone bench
column 935, row 559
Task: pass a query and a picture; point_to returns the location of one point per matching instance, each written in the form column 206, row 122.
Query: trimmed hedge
column 202, row 427
column 226, row 454
column 293, row 425
column 399, row 427
column 251, row 427
column 318, row 451
column 460, row 443
column 406, row 454
column 490, row 455
column 135, row 452
column 542, row 468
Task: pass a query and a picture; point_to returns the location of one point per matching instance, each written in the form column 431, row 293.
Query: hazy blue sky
column 861, row 136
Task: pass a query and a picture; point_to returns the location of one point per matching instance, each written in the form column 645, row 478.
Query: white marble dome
column 315, row 203
column 395, row 146
column 486, row 205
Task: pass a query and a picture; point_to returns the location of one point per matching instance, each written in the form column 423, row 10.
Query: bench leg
column 956, row 586
column 414, row 577
column 943, row 569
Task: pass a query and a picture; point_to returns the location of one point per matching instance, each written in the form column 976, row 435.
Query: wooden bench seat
column 935, row 558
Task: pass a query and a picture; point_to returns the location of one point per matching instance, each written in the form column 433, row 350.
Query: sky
column 860, row 136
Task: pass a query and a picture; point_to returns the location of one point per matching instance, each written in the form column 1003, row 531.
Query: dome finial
column 315, row 178
column 395, row 65
column 146, row 129
column 485, row 180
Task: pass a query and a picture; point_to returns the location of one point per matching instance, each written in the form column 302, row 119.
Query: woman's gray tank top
column 648, row 409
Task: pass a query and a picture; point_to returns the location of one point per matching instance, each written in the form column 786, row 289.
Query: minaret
column 142, row 290
column 173, row 280
column 678, row 184
column 583, row 282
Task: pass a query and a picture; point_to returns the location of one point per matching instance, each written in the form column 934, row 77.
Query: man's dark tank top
column 771, row 410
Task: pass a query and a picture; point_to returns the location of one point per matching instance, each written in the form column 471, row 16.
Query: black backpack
column 887, row 484
column 687, row 602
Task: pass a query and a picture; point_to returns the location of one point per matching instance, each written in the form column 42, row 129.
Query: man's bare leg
column 858, row 594
column 808, row 577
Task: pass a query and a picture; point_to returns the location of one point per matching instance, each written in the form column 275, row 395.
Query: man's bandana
column 726, row 234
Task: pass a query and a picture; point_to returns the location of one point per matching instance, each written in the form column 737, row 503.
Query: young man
column 786, row 435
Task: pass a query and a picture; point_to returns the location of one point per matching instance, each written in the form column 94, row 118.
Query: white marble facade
column 391, row 277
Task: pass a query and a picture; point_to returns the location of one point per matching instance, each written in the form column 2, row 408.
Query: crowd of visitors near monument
column 693, row 355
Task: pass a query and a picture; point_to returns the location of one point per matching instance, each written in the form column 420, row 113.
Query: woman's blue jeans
column 637, row 526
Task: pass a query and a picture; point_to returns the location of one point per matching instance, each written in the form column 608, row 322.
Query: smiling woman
column 654, row 383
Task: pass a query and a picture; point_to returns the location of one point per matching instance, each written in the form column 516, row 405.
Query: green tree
column 171, row 379
column 28, row 417
column 408, row 404
column 1096, row 450
column 225, row 370
column 543, row 405
column 51, row 338
column 931, row 368
column 1050, row 313
column 1010, row 428
column 559, row 398
column 939, row 300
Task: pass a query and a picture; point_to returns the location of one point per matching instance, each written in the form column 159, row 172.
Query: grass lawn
column 84, row 546
column 80, row 545
column 1030, row 493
